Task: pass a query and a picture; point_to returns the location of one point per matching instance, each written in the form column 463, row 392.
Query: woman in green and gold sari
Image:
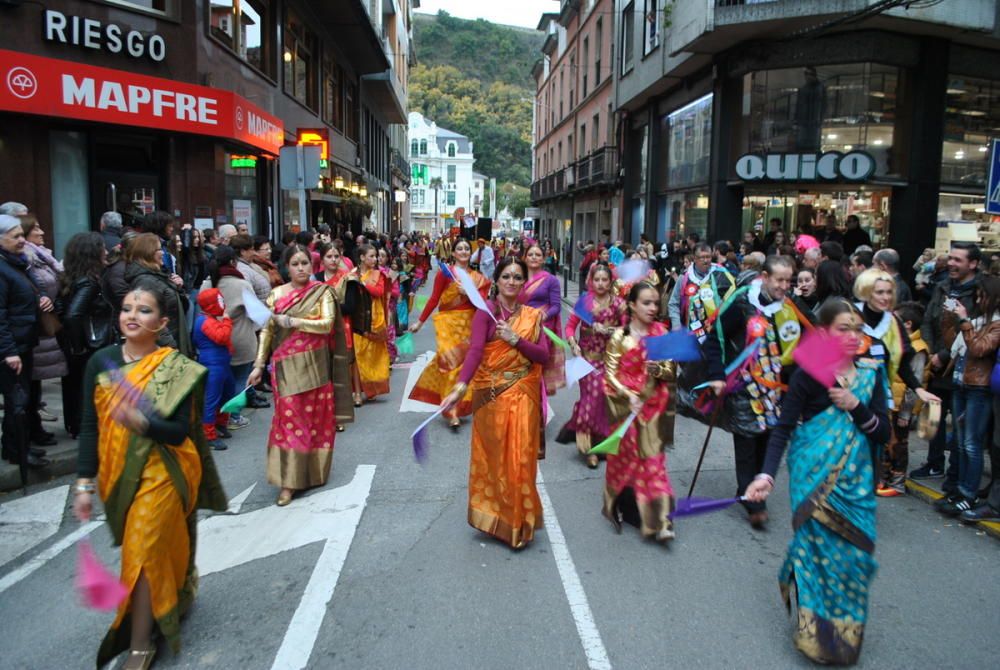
column 141, row 437
column 831, row 471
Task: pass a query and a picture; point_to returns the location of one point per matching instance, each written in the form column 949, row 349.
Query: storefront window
column 820, row 109
column 971, row 117
column 241, row 191
column 806, row 211
column 689, row 144
column 71, row 201
column 245, row 26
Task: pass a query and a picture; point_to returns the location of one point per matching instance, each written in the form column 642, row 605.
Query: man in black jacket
column 939, row 330
column 19, row 305
column 855, row 235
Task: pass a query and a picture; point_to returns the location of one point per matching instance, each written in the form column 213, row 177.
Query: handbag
column 995, row 376
column 49, row 324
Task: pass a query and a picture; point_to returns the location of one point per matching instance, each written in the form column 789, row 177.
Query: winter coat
column 940, row 327
column 244, row 335
column 18, row 306
column 50, row 362
column 176, row 334
column 114, row 286
column 88, row 319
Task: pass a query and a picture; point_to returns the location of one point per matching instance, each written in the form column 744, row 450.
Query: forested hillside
column 474, row 77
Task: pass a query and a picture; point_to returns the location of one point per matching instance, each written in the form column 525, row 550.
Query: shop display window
column 819, row 109
column 971, row 117
column 806, row 211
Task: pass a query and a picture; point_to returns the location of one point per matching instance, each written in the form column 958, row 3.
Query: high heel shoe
column 358, row 400
column 284, row 499
column 593, row 461
column 140, row 660
column 454, row 423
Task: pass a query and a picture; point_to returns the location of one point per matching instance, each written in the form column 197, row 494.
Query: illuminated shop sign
column 51, row 87
column 242, row 161
column 831, row 166
column 100, row 36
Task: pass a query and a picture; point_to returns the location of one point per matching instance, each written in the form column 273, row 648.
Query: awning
column 52, row 87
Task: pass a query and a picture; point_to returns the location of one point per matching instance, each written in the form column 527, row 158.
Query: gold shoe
column 139, row 660
column 593, row 461
column 284, row 499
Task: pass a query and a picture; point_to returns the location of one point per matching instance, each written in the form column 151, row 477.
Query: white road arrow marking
column 226, row 541
column 236, row 504
column 29, row 521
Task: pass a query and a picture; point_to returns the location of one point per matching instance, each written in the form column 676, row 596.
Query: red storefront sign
column 50, row 87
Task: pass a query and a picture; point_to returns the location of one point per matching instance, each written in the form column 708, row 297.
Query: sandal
column 139, row 660
column 340, row 428
column 593, row 461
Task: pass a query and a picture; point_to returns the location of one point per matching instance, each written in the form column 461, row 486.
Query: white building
column 438, row 153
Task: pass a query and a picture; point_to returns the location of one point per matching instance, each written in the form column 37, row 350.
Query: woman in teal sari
column 830, row 561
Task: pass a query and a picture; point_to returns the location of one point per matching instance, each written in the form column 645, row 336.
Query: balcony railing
column 400, row 164
column 597, row 170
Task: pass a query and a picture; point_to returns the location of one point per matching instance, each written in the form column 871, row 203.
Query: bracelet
column 89, row 487
column 460, row 388
column 766, row 477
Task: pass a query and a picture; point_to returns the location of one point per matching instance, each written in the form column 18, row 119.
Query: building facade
column 184, row 105
column 576, row 164
column 802, row 110
column 441, row 163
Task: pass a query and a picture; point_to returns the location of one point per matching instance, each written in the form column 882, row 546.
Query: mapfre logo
column 22, row 82
column 239, row 117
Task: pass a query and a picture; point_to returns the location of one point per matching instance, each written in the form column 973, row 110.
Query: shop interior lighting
column 973, row 112
column 355, row 189
column 877, row 94
column 983, row 150
column 339, row 183
column 877, row 143
column 832, row 136
column 848, row 147
column 288, row 56
column 364, row 191
column 955, row 91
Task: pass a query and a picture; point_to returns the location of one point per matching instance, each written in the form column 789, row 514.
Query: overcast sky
column 512, row 12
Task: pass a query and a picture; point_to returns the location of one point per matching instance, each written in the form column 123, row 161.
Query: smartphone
column 951, row 304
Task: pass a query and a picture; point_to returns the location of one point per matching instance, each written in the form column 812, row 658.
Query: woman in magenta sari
column 637, row 487
column 305, row 340
column 589, row 422
column 541, row 291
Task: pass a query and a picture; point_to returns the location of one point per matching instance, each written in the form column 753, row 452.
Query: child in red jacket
column 213, row 338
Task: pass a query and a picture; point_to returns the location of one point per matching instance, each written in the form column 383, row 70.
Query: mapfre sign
column 50, row 87
column 831, row 166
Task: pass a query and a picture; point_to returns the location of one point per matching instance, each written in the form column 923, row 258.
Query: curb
column 929, row 495
column 63, row 458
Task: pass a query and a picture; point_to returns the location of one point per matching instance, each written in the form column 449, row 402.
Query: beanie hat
column 211, row 302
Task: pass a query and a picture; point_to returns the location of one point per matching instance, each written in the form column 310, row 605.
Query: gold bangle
column 460, row 388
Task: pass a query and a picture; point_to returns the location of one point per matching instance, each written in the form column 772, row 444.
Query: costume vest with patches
column 884, row 343
column 700, row 299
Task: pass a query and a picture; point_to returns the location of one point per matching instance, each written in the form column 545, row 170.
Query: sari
column 507, row 402
column 641, row 464
column 311, row 386
column 151, row 491
column 371, row 353
column 830, row 561
column 453, row 328
column 390, row 340
column 590, row 413
column 537, row 293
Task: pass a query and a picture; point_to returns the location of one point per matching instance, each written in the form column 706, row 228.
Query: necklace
column 506, row 313
column 128, row 356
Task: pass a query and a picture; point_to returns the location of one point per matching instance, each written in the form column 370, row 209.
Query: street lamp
column 339, row 183
column 364, row 191
column 355, row 189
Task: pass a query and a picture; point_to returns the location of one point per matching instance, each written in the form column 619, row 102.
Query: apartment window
column 583, row 140
column 628, row 37
column 450, row 201
column 414, row 147
column 595, row 129
column 300, row 69
column 611, row 125
column 651, row 26
column 569, row 146
column 451, row 174
column 162, row 7
column 598, row 50
column 350, row 110
column 333, row 94
column 246, row 28
column 423, row 147
column 559, row 154
column 586, row 66
column 572, row 80
column 452, row 150
column 562, row 92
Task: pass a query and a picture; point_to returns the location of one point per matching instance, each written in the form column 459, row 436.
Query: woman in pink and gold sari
column 305, row 340
column 541, row 291
column 453, row 327
column 641, row 386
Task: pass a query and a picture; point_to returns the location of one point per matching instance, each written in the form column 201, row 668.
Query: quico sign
column 831, row 166
column 100, row 36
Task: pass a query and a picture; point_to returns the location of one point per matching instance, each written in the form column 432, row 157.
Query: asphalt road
column 415, row 587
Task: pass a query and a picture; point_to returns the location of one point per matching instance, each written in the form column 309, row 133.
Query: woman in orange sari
column 304, row 340
column 371, row 353
column 503, row 369
column 141, row 434
column 453, row 326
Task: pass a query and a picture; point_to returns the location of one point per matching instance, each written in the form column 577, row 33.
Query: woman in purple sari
column 590, row 416
column 541, row 291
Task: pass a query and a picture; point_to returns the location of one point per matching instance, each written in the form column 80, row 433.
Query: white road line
column 236, row 504
column 590, row 637
column 44, row 557
column 300, row 638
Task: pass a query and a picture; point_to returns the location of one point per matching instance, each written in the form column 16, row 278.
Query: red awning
column 51, row 87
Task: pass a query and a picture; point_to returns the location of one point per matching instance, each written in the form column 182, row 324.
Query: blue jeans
column 240, row 374
column 971, row 410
